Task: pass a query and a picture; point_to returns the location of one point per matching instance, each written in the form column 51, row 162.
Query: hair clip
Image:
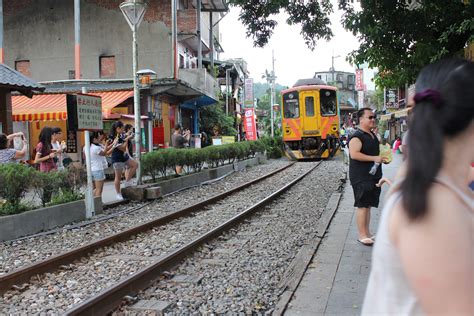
column 429, row 94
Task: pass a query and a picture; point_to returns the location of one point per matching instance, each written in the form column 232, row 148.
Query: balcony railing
column 199, row 79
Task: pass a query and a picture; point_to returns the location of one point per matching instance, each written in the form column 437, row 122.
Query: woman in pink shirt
column 44, row 151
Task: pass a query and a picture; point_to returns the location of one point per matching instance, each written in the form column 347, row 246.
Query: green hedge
column 158, row 163
column 52, row 188
column 273, row 146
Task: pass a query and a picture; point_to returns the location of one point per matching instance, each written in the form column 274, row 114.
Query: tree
column 213, row 117
column 400, row 40
column 396, row 38
column 313, row 16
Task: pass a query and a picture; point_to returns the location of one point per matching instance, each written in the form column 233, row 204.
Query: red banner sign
column 250, row 126
column 359, row 79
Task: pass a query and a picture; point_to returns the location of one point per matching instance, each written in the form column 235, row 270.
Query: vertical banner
column 248, row 101
column 391, row 98
column 360, row 101
column 359, row 79
column 250, row 126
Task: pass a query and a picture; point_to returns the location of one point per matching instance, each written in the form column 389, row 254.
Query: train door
column 311, row 123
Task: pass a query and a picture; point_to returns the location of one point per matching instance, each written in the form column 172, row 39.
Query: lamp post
column 134, row 10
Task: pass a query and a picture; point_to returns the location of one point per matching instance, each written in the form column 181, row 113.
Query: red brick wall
column 158, row 10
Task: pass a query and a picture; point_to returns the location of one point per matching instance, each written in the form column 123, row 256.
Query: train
column 310, row 120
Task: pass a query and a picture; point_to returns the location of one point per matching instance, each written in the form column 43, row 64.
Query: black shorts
column 366, row 194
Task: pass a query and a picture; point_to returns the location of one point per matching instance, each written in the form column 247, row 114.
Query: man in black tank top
column 364, row 153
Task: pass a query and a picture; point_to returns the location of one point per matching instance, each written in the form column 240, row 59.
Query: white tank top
column 388, row 291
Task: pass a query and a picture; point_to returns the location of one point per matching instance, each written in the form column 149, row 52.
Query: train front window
column 328, row 102
column 291, row 106
column 309, row 104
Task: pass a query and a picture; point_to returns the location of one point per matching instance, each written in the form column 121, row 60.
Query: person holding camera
column 8, row 154
column 120, row 157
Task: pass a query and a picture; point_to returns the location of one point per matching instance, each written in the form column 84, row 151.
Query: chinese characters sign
column 248, row 101
column 250, row 126
column 359, row 79
column 84, row 112
column 391, row 98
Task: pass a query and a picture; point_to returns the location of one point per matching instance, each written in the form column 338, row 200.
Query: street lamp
column 134, row 10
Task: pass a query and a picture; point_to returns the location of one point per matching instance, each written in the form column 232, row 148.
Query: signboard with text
column 391, row 98
column 250, row 126
column 84, row 112
column 359, row 79
column 248, row 100
column 360, row 97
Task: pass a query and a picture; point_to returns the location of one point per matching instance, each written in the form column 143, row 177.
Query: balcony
column 200, row 80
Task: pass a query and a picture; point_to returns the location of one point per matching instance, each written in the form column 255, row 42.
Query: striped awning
column 52, row 107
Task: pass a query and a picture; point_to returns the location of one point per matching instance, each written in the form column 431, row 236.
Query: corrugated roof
column 16, row 81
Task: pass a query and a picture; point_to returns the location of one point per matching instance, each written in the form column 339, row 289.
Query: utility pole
column 272, row 100
column 332, row 68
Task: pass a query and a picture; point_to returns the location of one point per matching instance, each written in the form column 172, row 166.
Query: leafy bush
column 273, row 146
column 15, row 182
column 65, row 197
column 72, row 179
column 193, row 159
column 9, row 209
column 46, row 184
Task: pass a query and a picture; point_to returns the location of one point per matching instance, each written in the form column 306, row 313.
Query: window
column 350, row 79
column 309, row 105
column 319, row 76
column 339, row 77
column 291, row 105
column 107, row 66
column 181, row 61
column 72, row 74
column 328, row 102
column 23, row 67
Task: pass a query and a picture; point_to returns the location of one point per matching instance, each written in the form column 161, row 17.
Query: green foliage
column 53, row 188
column 15, row 182
column 157, row 162
column 46, row 184
column 65, row 197
column 313, row 16
column 10, row 209
column 213, row 117
column 273, row 146
column 401, row 40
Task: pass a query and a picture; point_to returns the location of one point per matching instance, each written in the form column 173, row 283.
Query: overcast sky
column 293, row 60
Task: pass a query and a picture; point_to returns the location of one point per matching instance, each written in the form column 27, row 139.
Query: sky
column 293, row 60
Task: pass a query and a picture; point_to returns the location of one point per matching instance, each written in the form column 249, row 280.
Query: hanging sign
column 391, row 98
column 250, row 126
column 359, row 79
column 84, row 112
column 248, row 101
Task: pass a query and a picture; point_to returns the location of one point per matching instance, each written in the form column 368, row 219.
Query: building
column 39, row 41
column 345, row 82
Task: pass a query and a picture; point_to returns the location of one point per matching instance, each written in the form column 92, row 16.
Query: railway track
column 111, row 298
column 17, row 278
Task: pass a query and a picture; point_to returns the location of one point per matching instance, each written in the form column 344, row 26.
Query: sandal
column 366, row 241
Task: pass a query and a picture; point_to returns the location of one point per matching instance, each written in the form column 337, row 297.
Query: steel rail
column 23, row 275
column 111, row 298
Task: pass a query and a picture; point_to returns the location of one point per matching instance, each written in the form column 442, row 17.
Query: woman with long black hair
column 120, row 158
column 423, row 257
column 45, row 153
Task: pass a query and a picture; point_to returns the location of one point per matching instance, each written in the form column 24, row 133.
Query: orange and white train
column 310, row 120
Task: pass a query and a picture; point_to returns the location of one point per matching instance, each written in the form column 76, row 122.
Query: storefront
column 49, row 110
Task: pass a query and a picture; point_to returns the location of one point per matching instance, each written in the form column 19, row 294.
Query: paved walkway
column 335, row 281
